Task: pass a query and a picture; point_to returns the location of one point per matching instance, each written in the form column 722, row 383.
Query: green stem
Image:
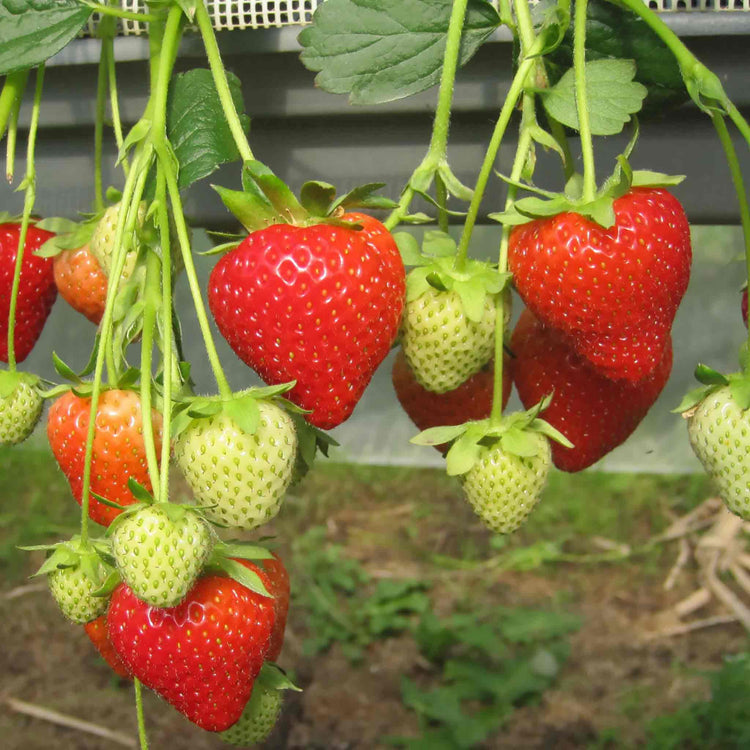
column 220, row 81
column 524, row 143
column 13, row 89
column 101, row 99
column 152, row 299
column 182, row 234
column 739, row 184
column 10, row 151
column 169, row 46
column 515, row 90
column 114, row 12
column 437, row 151
column 441, row 196
column 166, row 342
column 441, row 125
column 114, row 103
column 126, row 219
column 28, row 207
column 694, row 72
column 584, row 127
column 142, row 738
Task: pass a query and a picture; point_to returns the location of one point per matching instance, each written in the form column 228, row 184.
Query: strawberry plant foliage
column 380, row 50
column 32, row 31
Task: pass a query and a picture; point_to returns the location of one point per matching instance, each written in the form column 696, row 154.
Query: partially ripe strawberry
column 160, row 551
column 96, row 630
column 257, row 720
column 21, row 407
column 719, row 433
column 81, row 282
column 202, row 656
column 613, row 292
column 472, row 400
column 503, row 488
column 36, row 293
column 595, row 413
column 319, row 305
column 72, row 589
column 442, row 346
column 102, row 242
column 119, row 447
column 239, row 478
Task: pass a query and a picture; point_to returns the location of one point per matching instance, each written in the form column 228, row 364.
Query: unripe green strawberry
column 257, row 720
column 244, row 476
column 101, row 244
column 503, row 488
column 72, row 590
column 20, row 407
column 160, row 551
column 443, row 347
column 719, row 433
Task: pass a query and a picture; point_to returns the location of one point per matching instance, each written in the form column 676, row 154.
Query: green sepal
column 439, row 435
column 253, row 210
column 69, row 235
column 464, row 452
column 220, row 249
column 363, row 197
column 137, row 133
column 417, row 218
column 111, row 582
column 237, row 571
column 708, row 376
column 310, row 440
column 316, row 197
column 694, row 397
column 9, row 381
column 64, row 370
column 74, row 554
column 740, row 389
column 276, row 191
column 272, row 677
column 242, row 550
column 139, row 492
column 109, row 503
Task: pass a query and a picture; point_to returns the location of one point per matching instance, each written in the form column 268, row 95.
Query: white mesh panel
column 229, row 15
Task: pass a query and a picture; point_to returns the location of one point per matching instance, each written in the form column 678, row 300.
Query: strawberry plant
column 313, row 295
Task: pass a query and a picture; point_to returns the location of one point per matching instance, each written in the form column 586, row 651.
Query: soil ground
column 397, row 524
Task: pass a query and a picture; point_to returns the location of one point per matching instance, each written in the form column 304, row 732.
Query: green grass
column 35, row 506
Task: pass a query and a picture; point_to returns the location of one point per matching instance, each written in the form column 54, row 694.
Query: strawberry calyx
column 436, row 266
column 92, row 557
column 310, row 441
column 273, row 677
column 69, row 235
column 265, row 200
column 225, row 559
column 468, row 440
column 242, row 408
column 711, row 380
column 11, row 380
column 600, row 210
column 126, row 381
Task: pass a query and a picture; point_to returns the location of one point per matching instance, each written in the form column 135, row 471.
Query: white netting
column 229, row 15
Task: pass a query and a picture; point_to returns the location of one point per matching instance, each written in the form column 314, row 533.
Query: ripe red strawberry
column 472, row 400
column 119, row 447
column 201, row 656
column 319, row 304
column 36, row 293
column 614, row 292
column 81, row 282
column 276, row 579
column 96, row 630
column 595, row 413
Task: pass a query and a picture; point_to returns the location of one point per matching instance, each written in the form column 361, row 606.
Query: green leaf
column 381, row 50
column 616, row 32
column 197, row 127
column 32, row 31
column 613, row 96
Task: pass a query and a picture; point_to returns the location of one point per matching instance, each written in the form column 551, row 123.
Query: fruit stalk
column 584, row 128
column 13, row 89
column 142, row 738
column 438, row 148
column 101, row 97
column 515, row 90
column 739, row 184
column 220, row 81
column 28, row 206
